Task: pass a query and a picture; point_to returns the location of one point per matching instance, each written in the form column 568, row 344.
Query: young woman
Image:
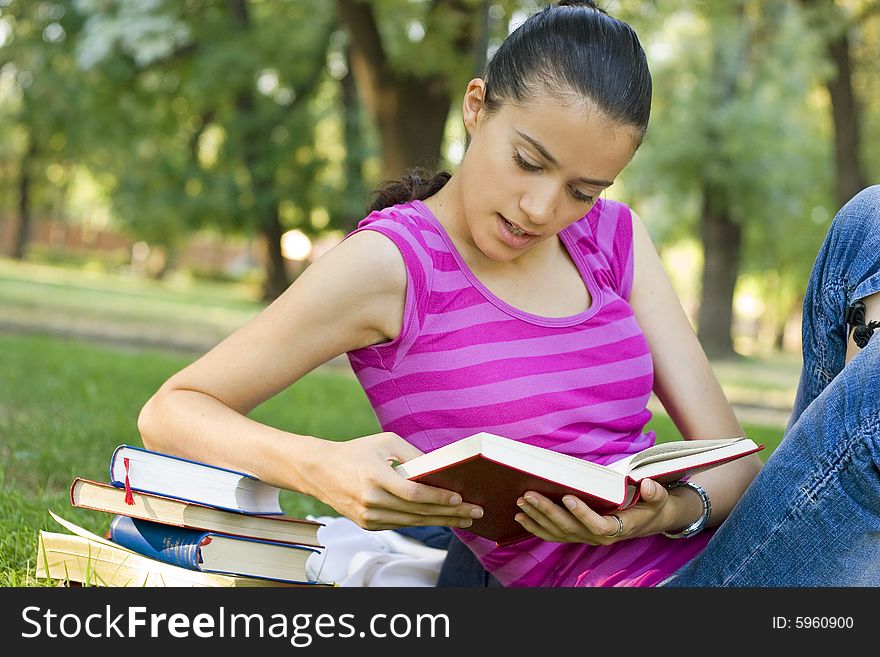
column 508, row 297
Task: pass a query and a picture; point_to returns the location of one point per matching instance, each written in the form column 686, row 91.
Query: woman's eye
column 525, row 165
column 580, row 196
column 522, row 164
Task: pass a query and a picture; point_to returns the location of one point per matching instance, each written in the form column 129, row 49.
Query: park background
column 168, row 167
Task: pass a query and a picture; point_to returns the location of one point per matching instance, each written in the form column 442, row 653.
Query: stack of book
column 178, row 522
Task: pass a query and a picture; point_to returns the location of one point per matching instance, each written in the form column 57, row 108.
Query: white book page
column 85, row 533
column 667, row 451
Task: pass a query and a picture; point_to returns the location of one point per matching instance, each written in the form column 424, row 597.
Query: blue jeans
column 812, row 515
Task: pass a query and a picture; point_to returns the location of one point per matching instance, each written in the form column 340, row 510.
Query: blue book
column 147, row 471
column 212, row 552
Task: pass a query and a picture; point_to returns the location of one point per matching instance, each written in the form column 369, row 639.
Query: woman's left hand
column 578, row 523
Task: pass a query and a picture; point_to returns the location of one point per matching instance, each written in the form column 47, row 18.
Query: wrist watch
column 699, row 524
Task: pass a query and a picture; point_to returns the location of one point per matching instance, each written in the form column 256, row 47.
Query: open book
column 494, row 472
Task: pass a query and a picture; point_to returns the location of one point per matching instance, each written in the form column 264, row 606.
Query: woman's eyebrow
column 552, row 160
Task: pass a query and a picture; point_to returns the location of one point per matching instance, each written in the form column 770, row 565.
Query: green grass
column 769, row 435
column 81, row 302
column 44, row 285
column 65, row 405
column 66, row 402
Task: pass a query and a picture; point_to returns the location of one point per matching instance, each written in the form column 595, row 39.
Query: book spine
column 175, row 545
column 113, row 480
column 261, row 498
column 201, row 465
column 74, row 489
column 116, row 481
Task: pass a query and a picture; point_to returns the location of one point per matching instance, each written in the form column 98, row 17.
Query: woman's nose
column 539, row 204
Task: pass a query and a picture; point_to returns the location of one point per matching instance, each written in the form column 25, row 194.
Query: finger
column 413, row 491
column 377, row 519
column 596, row 524
column 550, row 516
column 534, row 528
column 652, row 492
column 423, row 500
column 537, row 517
column 402, row 451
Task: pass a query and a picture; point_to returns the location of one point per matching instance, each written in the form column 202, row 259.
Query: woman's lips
column 515, row 240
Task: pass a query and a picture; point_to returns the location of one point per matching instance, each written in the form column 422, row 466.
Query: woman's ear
column 473, row 104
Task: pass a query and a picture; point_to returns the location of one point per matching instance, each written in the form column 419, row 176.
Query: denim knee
column 853, row 244
column 847, row 268
column 859, row 213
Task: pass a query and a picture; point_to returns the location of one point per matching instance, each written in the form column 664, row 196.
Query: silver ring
column 619, row 531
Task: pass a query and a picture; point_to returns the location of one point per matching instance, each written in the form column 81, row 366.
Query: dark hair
column 416, row 183
column 572, row 50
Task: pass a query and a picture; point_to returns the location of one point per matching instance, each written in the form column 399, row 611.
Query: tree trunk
column 23, row 234
column 262, row 180
column 412, row 122
column 846, row 115
column 481, row 39
column 276, row 280
column 722, row 238
column 847, row 122
column 169, row 262
column 410, row 112
column 721, row 234
column 268, row 220
column 355, row 185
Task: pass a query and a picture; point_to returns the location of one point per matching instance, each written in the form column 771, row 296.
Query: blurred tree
column 37, row 83
column 418, row 40
column 356, row 146
column 216, row 97
column 732, row 152
column 866, row 80
column 242, row 116
column 837, row 22
column 406, row 58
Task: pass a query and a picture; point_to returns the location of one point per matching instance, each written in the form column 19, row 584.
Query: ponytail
column 415, row 184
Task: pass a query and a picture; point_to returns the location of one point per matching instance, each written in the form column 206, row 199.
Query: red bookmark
column 129, row 498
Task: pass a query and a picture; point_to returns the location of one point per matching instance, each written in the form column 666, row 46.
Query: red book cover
column 494, row 472
column 496, row 488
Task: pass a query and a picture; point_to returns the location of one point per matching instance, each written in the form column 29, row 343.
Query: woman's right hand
column 357, row 479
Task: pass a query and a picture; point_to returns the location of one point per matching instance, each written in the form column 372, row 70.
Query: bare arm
column 685, row 384
column 351, row 297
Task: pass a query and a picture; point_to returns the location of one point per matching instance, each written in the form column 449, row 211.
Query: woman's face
column 531, row 170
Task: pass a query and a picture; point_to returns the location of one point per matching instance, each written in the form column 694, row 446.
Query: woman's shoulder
column 366, row 261
column 389, row 258
column 407, row 227
column 405, row 219
column 393, row 245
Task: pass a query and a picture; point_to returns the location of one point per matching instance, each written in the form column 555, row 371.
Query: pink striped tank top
column 466, row 361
